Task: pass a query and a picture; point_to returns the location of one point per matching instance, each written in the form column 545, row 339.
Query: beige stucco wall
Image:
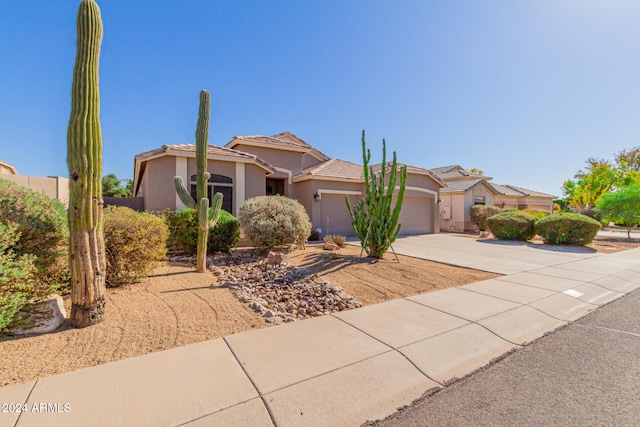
column 56, row 187
column 158, row 190
column 308, row 160
column 455, row 202
column 337, row 211
column 255, row 181
column 289, row 160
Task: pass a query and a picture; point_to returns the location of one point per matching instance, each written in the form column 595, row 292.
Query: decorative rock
column 39, row 318
column 280, row 292
column 277, row 258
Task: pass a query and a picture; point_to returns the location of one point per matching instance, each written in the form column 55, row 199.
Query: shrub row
column 562, row 228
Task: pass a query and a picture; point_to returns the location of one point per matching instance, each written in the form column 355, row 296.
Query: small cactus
column 87, row 262
column 207, row 216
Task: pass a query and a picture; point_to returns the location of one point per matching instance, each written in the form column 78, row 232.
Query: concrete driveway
column 488, row 254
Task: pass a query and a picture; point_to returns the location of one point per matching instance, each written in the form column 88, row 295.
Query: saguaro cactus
column 84, row 158
column 373, row 219
column 207, row 216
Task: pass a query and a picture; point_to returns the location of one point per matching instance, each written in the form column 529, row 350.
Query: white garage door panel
column 334, row 214
column 416, row 215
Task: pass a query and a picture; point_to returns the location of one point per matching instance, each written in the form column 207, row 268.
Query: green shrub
column 480, row 213
column 594, row 214
column 42, row 226
column 507, row 210
column 133, row 242
column 536, row 213
column 274, row 221
column 335, row 238
column 17, row 284
column 512, row 226
column 183, row 232
column 567, row 228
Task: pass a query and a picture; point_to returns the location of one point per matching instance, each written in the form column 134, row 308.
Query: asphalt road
column 585, row 374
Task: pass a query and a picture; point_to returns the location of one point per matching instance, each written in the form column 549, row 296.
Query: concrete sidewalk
column 340, row 369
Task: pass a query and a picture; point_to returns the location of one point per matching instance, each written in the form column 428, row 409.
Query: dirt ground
column 177, row 306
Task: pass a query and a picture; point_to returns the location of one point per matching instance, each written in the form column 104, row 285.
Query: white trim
column 320, row 191
column 287, row 171
column 301, row 178
column 188, row 154
column 181, row 170
column 419, row 189
column 238, row 200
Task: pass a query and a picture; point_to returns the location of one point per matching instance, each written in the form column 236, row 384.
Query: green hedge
column 512, row 226
column 183, row 232
column 567, row 228
column 480, row 214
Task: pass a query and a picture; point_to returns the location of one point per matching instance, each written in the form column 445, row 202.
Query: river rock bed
column 280, row 292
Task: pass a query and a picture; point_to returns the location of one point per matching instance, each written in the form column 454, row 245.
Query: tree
column 87, row 262
column 477, row 171
column 629, row 158
column 111, row 186
column 622, row 206
column 373, row 219
column 599, row 178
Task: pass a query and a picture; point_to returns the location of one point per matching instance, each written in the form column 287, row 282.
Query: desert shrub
column 314, row 236
column 133, row 242
column 183, row 232
column 480, row 213
column 274, row 221
column 41, row 223
column 512, row 226
column 335, row 238
column 17, row 285
column 567, row 228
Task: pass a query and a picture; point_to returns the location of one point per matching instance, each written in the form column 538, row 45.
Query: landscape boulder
column 39, row 318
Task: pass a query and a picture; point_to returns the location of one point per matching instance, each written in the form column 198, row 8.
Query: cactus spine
column 207, row 216
column 84, row 157
column 373, row 219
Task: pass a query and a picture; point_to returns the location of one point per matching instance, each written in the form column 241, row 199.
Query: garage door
column 334, row 214
column 416, row 215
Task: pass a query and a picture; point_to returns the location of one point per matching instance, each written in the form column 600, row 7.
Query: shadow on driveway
column 553, row 248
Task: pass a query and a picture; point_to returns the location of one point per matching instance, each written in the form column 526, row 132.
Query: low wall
column 135, row 203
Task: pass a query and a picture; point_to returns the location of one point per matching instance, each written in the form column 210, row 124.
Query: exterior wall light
column 316, row 197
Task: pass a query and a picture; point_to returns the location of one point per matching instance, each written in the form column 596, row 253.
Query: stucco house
column 250, row 166
column 465, row 189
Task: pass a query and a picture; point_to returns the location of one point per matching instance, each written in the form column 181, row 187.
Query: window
column 274, row 186
column 478, row 200
column 217, row 184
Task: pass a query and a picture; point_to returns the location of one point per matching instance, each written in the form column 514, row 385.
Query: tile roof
column 212, row 149
column 282, row 140
column 461, row 185
column 512, row 190
column 415, row 169
column 445, row 169
column 335, row 168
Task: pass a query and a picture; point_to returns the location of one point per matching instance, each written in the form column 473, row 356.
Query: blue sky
column 525, row 90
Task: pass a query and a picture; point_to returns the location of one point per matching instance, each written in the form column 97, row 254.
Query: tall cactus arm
column 215, row 209
column 183, row 193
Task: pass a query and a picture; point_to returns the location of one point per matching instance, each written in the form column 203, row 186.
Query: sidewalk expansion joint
column 392, row 349
column 264, row 400
column 25, row 401
column 608, row 330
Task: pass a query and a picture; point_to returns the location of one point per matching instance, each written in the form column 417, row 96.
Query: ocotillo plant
column 207, row 216
column 374, row 220
column 84, row 157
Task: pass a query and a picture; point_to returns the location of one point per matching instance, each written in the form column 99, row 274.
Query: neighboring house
column 55, row 187
column 284, row 164
column 465, row 189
